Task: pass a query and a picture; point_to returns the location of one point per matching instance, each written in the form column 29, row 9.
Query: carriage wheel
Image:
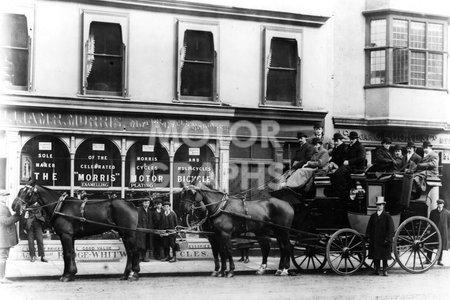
column 417, row 244
column 346, row 251
column 307, row 257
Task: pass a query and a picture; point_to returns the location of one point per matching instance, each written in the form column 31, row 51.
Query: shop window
column 412, row 48
column 45, row 159
column 15, row 50
column 104, row 55
column 98, row 166
column 194, row 165
column 197, row 61
column 282, row 67
column 147, row 166
column 251, row 170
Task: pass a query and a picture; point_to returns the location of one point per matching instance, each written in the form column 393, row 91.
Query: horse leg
column 135, row 260
column 229, row 255
column 128, row 265
column 67, row 245
column 265, row 249
column 283, row 244
column 215, row 250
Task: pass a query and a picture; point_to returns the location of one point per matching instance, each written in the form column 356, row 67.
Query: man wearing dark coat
column 354, row 163
column 441, row 217
column 144, row 240
column 8, row 235
column 33, row 225
column 157, row 216
column 169, row 222
column 411, row 158
column 380, row 231
column 303, row 154
column 384, row 160
column 339, row 152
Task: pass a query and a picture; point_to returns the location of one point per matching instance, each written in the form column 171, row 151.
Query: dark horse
column 232, row 217
column 65, row 218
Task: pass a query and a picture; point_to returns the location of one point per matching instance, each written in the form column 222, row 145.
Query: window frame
column 89, row 16
column 296, row 34
column 390, row 50
column 182, row 27
column 28, row 12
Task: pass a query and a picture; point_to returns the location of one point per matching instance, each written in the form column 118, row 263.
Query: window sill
column 102, row 97
column 375, row 86
column 198, row 101
column 271, row 104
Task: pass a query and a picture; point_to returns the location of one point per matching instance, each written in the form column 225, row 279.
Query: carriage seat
column 321, row 182
column 358, row 176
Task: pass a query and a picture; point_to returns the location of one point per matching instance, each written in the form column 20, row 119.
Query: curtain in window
column 282, row 70
column 14, row 47
column 104, row 58
column 197, row 64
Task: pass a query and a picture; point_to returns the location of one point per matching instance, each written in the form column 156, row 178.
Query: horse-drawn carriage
column 329, row 230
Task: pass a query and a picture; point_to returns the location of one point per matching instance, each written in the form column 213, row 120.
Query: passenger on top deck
column 398, row 157
column 411, row 159
column 338, row 153
column 354, row 163
column 318, row 164
column 303, row 154
column 427, row 168
column 327, row 143
column 384, row 160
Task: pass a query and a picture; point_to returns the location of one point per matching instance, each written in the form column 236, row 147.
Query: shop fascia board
column 390, row 123
column 180, row 109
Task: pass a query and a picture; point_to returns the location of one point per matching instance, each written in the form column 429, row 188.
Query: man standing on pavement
column 144, row 240
column 169, row 222
column 157, row 216
column 441, row 217
column 33, row 225
column 8, row 235
column 380, row 231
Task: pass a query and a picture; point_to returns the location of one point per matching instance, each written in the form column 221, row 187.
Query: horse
column 72, row 218
column 230, row 217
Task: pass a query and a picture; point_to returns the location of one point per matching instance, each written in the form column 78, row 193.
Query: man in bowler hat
column 441, row 217
column 380, row 231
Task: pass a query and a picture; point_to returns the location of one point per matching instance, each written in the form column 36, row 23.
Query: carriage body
column 340, row 225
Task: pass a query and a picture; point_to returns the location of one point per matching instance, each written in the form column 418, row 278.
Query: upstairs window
column 411, row 49
column 15, row 51
column 104, row 60
column 282, row 67
column 197, row 61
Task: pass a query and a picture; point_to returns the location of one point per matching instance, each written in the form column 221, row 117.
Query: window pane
column 106, row 74
column 104, row 69
column 283, row 53
column 196, row 79
column 14, row 31
column 435, row 70
column 417, row 38
column 377, row 67
column 13, row 50
column 378, row 33
column 435, row 37
column 198, row 45
column 401, row 66
column 400, row 33
column 418, row 68
column 107, row 38
column 281, row 85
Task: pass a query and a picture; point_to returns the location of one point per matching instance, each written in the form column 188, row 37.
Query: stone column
column 12, row 154
column 224, row 164
column 123, row 154
column 72, row 164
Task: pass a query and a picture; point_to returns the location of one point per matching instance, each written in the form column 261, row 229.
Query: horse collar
column 58, row 206
column 223, row 203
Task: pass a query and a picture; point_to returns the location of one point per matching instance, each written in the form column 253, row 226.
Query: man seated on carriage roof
column 428, row 167
column 318, row 164
column 384, row 160
column 338, row 153
column 411, row 159
column 327, row 143
column 354, row 162
column 303, row 154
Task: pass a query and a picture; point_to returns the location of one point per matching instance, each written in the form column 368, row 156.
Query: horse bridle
column 30, row 191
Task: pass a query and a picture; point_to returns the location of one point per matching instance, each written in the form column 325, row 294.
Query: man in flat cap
column 355, row 160
column 169, row 222
column 398, row 157
column 441, row 217
column 157, row 216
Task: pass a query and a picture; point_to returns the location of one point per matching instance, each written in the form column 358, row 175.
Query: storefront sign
column 193, row 165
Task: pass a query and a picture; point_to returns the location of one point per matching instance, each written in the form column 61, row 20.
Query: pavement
column 26, row 270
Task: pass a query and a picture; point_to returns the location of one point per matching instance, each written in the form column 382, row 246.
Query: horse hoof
column 230, row 274
column 124, row 277
column 134, row 277
column 215, row 274
column 221, row 274
column 67, row 278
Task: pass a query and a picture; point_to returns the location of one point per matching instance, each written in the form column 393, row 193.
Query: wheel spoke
column 359, row 243
column 424, row 232
column 429, row 236
column 409, row 234
column 405, row 251
column 409, row 257
column 404, row 239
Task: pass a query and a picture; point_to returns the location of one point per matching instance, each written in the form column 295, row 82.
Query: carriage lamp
column 358, row 191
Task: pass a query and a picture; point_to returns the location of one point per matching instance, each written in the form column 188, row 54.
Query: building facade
column 127, row 97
